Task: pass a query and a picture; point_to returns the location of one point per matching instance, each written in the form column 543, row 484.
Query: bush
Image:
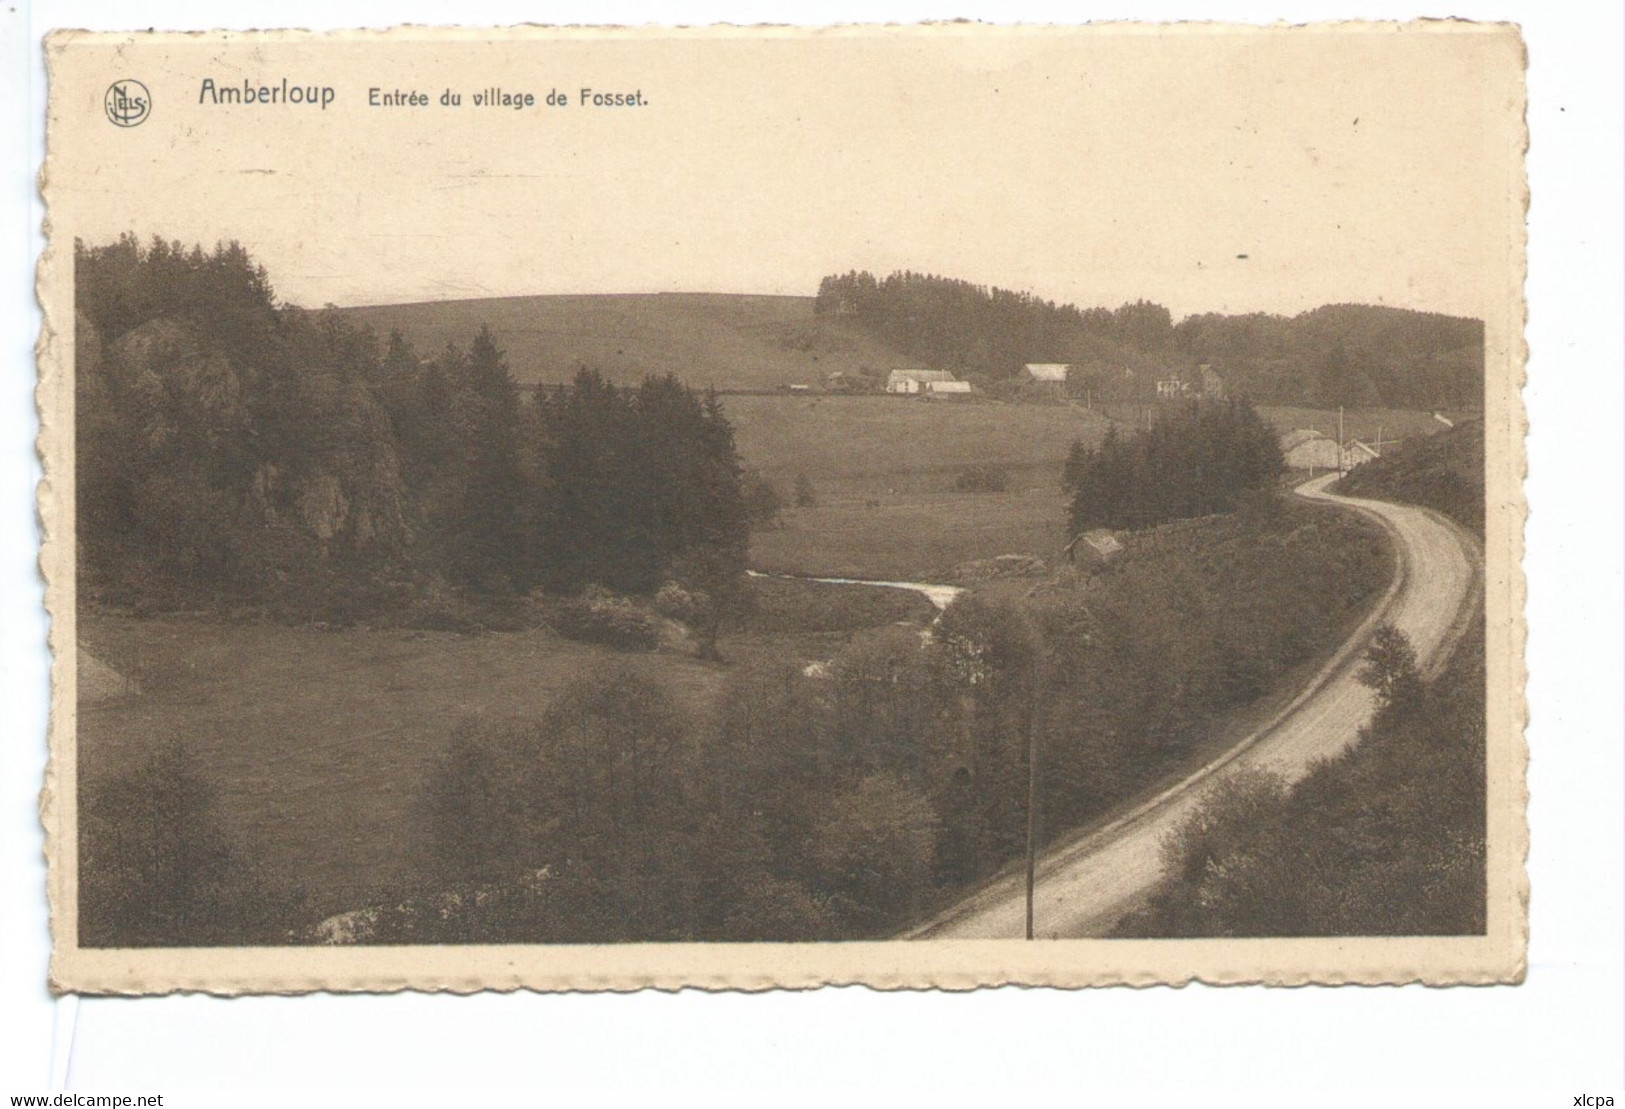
column 599, row 616
column 806, row 495
column 762, row 500
column 676, row 603
column 981, row 479
column 158, row 867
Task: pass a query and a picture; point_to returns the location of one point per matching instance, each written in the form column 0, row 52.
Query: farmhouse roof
column 1356, row 446
column 1047, row 371
column 1100, row 542
column 1103, row 541
column 1298, row 438
column 947, row 387
column 921, row 376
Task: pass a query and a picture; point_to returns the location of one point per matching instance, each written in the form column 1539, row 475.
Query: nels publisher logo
column 128, row 102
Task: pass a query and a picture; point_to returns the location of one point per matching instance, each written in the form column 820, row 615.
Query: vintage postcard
column 937, row 506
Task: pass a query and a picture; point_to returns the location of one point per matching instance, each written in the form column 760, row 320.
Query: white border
column 1560, row 1033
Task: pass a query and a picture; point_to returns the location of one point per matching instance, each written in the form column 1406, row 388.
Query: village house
column 1307, row 449
column 1200, row 382
column 914, row 382
column 1357, row 453
column 1176, row 385
column 1046, row 379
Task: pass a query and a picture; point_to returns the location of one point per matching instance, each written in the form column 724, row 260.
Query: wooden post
column 1034, row 729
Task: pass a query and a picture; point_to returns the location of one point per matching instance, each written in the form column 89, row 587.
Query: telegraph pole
column 1340, row 439
column 1034, row 727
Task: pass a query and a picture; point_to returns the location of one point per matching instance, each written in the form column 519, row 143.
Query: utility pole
column 1340, row 439
column 1034, row 728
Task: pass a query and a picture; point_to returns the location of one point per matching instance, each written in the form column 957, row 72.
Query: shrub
column 981, row 479
column 158, row 866
column 762, row 500
column 676, row 603
column 599, row 616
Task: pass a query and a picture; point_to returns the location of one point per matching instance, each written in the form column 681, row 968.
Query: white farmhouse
column 912, row 382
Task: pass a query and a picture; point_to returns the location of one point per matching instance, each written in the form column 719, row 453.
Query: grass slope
column 876, row 444
column 316, row 744
column 706, row 339
column 884, row 468
column 1444, row 472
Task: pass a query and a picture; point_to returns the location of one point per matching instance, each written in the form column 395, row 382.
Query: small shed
column 1096, row 547
column 948, row 388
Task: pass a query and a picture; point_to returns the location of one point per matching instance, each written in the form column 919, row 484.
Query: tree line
column 1385, row 839
column 988, row 333
column 1344, row 354
column 1199, row 458
column 237, row 452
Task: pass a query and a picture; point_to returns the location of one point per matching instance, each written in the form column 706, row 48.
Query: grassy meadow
column 885, row 444
column 706, row 339
column 316, row 740
column 883, row 470
column 909, row 536
column 317, row 743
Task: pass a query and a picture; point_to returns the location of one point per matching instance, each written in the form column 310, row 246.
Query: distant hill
column 1362, row 356
column 1355, row 355
column 706, row 339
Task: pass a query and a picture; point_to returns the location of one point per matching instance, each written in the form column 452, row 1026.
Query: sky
column 1207, row 171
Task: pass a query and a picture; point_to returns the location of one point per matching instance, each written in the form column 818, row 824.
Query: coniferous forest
column 241, row 455
column 1200, row 458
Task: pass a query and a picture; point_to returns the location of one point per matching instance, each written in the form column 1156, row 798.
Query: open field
column 883, row 469
column 706, row 339
column 878, row 444
column 910, row 536
column 317, row 743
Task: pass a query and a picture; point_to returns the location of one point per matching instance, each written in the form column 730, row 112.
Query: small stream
column 939, row 595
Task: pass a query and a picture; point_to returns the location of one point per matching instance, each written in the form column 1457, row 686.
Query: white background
column 1556, row 1036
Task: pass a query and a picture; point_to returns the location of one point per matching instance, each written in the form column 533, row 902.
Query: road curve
column 1087, row 883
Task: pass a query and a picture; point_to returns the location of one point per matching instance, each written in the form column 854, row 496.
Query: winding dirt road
column 1086, row 884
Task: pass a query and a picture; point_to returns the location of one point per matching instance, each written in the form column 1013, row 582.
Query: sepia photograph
column 922, row 506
